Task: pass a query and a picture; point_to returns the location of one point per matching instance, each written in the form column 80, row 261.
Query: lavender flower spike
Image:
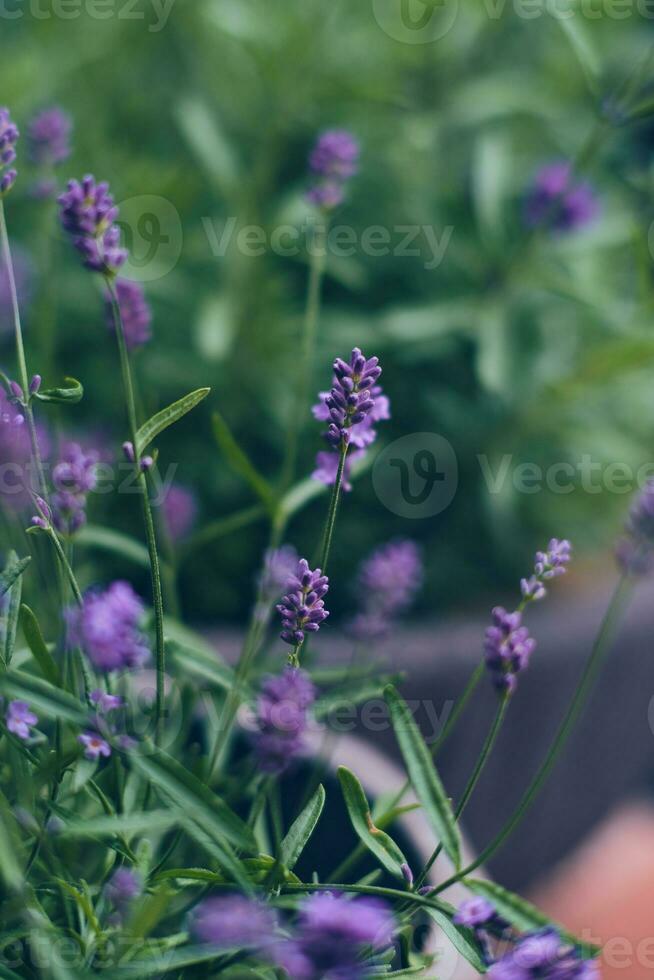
column 233, row 922
column 507, row 648
column 303, row 609
column 635, row 551
column 8, row 138
column 548, row 565
column 545, row 955
column 88, row 214
column 48, row 136
column 107, row 628
column 334, row 160
column 351, row 399
column 282, row 718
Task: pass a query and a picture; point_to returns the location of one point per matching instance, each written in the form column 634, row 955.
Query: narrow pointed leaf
column 154, row 821
column 301, row 830
column 38, row 646
column 377, row 841
column 167, row 417
column 423, row 775
column 461, row 938
column 10, row 870
column 14, row 568
column 114, row 542
column 521, row 913
column 239, row 461
column 11, row 618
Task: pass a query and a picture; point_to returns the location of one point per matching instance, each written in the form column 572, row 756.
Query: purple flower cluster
column 279, row 567
column 88, row 214
column 282, row 717
column 20, row 719
column 302, row 609
column 48, row 136
column 334, row 160
column 8, row 138
column 74, row 477
column 332, row 934
column 559, row 201
column 545, row 955
column 351, row 409
column 548, row 565
column 635, row 551
column 179, row 510
column 387, row 583
column 507, row 648
column 135, row 312
column 234, row 922
column 107, row 628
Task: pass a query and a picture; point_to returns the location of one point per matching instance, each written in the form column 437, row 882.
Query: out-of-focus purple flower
column 635, row 551
column 179, row 510
column 14, row 453
column 327, row 468
column 387, row 583
column 333, row 933
column 74, row 477
column 107, row 628
column 8, row 138
column 548, row 565
column 282, row 716
column 334, row 160
column 20, row 719
column 23, row 279
column 556, row 199
column 105, row 702
column 123, row 887
column 476, row 913
column 88, row 214
column 234, row 922
column 135, row 312
column 94, row 746
column 48, row 136
column 303, row 609
column 507, row 648
column 544, row 955
column 279, row 567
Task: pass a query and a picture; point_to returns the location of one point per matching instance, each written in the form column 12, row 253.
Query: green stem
column 150, row 534
column 471, row 785
column 393, row 894
column 20, row 352
column 333, row 510
column 311, row 317
column 591, row 670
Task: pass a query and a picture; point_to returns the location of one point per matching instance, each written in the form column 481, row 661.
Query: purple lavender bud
column 407, row 874
column 135, row 313
column 20, row 719
column 532, row 589
column 303, row 610
column 8, row 138
column 545, row 955
column 555, row 199
column 108, row 630
column 553, row 562
column 282, row 717
column 48, row 136
column 35, row 384
column 179, row 511
column 146, row 463
column 475, row 912
column 507, row 648
column 336, row 154
column 128, row 451
column 43, row 507
column 88, row 214
column 123, row 887
column 233, row 922
column 16, row 390
column 95, row 746
column 332, row 934
column 74, row 477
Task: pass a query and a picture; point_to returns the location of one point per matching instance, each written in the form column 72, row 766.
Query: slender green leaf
column 461, row 938
column 194, row 798
column 105, row 539
column 10, row 869
column 70, row 393
column 301, row 830
column 521, row 913
column 423, row 775
column 174, row 960
column 155, row 821
column 45, row 698
column 167, row 417
column 377, row 841
column 38, row 646
column 240, row 462
column 11, row 616
column 200, row 665
column 579, row 38
column 13, row 569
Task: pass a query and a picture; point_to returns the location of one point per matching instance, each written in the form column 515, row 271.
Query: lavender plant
column 145, row 835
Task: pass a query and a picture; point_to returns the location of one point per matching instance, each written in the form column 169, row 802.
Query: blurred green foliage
column 535, row 346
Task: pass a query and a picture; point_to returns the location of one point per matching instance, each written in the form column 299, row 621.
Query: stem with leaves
column 148, row 521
